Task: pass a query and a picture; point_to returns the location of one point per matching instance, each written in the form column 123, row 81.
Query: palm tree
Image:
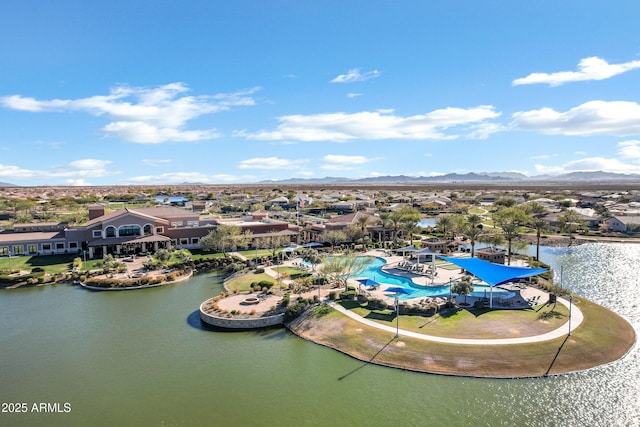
column 395, row 218
column 472, row 233
column 540, row 225
column 444, row 222
column 510, row 232
column 410, row 228
column 384, row 221
column 362, row 220
column 474, row 220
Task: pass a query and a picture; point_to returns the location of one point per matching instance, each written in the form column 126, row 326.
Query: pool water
column 375, row 273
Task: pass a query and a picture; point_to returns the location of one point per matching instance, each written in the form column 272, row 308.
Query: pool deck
column 525, row 295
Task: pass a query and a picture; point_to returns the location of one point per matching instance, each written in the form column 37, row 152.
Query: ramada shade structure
column 494, row 274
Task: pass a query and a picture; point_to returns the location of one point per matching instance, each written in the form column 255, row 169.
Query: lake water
column 142, row 358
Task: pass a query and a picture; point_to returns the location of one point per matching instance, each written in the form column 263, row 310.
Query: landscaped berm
column 549, row 334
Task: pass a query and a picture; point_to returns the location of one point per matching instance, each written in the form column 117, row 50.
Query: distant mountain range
column 469, row 177
column 487, row 177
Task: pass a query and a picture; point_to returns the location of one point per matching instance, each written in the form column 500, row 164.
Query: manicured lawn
column 291, row 272
column 243, row 283
column 603, row 338
column 475, row 323
column 50, row 263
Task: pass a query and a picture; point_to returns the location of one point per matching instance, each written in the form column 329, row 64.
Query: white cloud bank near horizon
column 615, row 118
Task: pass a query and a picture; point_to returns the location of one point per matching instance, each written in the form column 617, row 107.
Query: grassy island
column 602, row 338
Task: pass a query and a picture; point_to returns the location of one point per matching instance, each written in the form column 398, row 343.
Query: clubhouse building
column 129, row 231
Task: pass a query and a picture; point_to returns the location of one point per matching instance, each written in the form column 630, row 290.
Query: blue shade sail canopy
column 494, row 274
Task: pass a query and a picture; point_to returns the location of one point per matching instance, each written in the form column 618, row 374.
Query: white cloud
column 541, row 157
column 618, row 118
column 354, row 75
column 75, row 171
column 383, row 124
column 145, row 133
column 270, row 163
column 341, row 162
column 590, row 164
column 629, row 150
column 143, row 115
column 181, row 177
column 592, row 68
column 89, row 164
column 155, row 162
column 354, row 95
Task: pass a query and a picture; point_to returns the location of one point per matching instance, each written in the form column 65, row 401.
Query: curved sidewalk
column 576, row 319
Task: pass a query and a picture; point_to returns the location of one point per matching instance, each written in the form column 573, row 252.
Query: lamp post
column 570, row 304
column 397, row 317
column 9, row 262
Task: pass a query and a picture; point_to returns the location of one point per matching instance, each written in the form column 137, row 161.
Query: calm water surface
column 142, row 358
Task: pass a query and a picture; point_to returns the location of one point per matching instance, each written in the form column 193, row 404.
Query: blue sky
column 162, row 92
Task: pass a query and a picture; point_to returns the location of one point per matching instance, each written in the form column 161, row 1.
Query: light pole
column 570, row 304
column 9, row 262
column 397, row 317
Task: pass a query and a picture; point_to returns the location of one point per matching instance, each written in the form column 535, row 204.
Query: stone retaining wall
column 133, row 288
column 238, row 323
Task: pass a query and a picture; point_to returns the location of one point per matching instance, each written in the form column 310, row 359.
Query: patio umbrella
column 368, row 282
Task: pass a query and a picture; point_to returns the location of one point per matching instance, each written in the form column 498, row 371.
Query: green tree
column 273, row 242
column 312, row 256
column 225, row 238
column 463, row 287
column 163, row 255
column 334, row 237
column 569, row 222
column 492, row 239
column 339, row 269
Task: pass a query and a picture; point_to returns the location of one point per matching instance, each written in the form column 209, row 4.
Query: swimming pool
column 374, row 272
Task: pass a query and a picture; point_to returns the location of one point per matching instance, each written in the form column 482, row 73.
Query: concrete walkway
column 576, row 320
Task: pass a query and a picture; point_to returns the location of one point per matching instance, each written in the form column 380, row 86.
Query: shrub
column 259, row 270
column 348, row 294
column 286, row 299
column 332, row 296
column 295, row 310
column 265, row 284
